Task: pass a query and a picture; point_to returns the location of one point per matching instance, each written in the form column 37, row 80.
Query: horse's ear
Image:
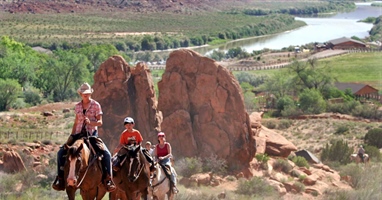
column 80, row 147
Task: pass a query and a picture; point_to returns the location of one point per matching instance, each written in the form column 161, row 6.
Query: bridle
column 141, row 165
column 160, row 182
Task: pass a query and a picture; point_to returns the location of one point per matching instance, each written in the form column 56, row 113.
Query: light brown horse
column 160, row 186
column 354, row 157
column 134, row 175
column 82, row 170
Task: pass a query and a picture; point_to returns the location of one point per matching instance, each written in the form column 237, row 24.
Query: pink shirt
column 92, row 112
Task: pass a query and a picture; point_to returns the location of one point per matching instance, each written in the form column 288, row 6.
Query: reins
column 95, row 157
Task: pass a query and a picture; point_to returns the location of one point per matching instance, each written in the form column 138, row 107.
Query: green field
column 112, row 27
column 358, row 67
column 363, row 68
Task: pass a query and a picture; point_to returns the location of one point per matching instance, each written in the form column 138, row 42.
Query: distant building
column 345, row 43
column 359, row 90
column 42, row 50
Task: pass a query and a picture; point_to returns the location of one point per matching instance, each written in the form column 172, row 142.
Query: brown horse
column 134, row 176
column 82, row 170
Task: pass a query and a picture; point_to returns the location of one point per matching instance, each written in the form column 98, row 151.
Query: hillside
column 311, row 134
column 71, row 6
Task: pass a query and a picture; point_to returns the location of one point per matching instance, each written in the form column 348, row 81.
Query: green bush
column 342, row 129
column 374, row 137
column 263, row 159
column 374, row 153
column 254, row 187
column 189, row 166
column 338, row 150
column 300, row 161
column 312, row 102
column 282, row 165
column 300, row 187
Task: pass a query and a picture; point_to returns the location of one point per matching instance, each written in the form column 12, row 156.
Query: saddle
column 167, row 170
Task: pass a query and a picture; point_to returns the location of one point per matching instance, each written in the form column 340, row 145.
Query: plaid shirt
column 92, row 112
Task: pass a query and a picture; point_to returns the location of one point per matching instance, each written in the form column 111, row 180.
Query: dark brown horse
column 134, row 176
column 82, row 170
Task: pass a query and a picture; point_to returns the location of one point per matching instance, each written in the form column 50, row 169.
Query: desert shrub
column 302, row 177
column 300, row 161
column 215, row 165
column 47, row 142
column 28, row 178
column 354, row 171
column 338, row 150
column 282, row 165
column 67, row 115
column 284, row 124
column 343, row 108
column 270, row 124
column 231, row 178
column 374, row 153
column 374, row 137
column 291, row 111
column 189, row 166
column 300, row 187
column 367, row 111
column 254, row 187
column 7, row 183
column 342, row 129
column 263, row 159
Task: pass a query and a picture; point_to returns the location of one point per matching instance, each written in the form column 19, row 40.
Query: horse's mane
column 74, row 152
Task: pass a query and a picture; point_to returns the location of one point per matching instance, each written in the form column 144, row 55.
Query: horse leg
column 88, row 194
column 101, row 192
column 71, row 192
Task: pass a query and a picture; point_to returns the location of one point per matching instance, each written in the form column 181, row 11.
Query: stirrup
column 175, row 190
column 110, row 187
column 60, row 186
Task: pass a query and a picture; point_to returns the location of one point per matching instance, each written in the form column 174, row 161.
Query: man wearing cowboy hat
column 88, row 118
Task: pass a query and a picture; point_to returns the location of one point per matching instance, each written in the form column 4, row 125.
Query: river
column 318, row 29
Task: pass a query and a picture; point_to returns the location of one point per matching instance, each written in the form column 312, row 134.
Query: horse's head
column 74, row 158
column 134, row 162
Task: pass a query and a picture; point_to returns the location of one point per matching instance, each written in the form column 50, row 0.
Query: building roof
column 355, row 87
column 42, row 50
column 310, row 157
column 344, row 39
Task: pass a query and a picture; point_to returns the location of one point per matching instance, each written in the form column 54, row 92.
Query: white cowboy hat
column 85, row 89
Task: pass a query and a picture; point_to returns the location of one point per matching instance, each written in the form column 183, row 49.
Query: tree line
column 311, row 9
column 28, row 76
column 271, row 24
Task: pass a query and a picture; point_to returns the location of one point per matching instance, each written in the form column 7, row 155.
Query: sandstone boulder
column 276, row 144
column 125, row 91
column 203, row 110
column 12, row 162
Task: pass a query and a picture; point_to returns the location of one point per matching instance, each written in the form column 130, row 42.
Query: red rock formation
column 203, row 110
column 124, row 91
column 12, row 162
